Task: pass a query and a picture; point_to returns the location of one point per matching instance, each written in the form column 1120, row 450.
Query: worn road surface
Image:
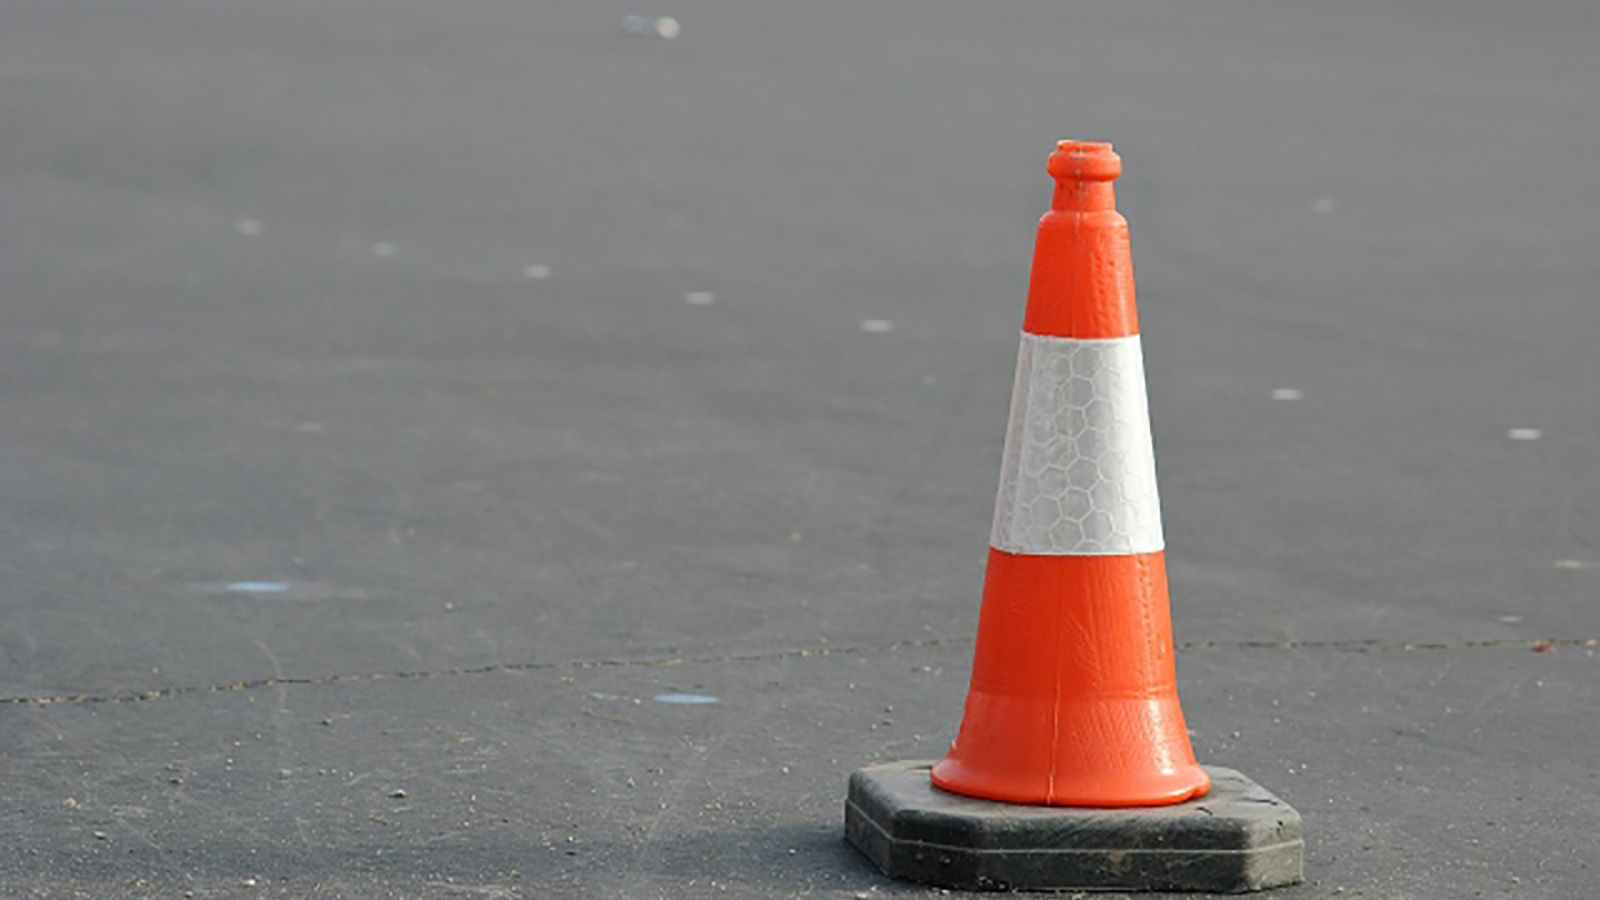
column 397, row 398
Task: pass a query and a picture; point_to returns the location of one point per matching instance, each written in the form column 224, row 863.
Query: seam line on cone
column 1055, row 727
column 1078, row 475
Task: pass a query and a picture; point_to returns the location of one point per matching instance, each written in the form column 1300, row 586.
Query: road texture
column 397, row 397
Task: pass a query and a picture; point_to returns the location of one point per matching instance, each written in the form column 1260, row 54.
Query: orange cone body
column 1073, row 700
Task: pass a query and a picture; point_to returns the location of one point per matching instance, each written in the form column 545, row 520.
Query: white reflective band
column 1079, row 474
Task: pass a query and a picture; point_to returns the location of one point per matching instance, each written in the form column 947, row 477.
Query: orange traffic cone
column 1073, row 706
column 1073, row 699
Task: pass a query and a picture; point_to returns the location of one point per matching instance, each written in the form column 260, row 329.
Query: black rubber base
column 1238, row 837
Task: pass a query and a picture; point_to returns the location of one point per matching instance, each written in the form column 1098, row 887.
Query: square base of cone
column 1238, row 837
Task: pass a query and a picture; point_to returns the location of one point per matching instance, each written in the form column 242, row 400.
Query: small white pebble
column 1287, row 394
column 877, row 326
column 668, row 27
column 382, row 249
column 398, row 794
column 699, row 298
column 70, row 803
column 249, row 882
column 1323, row 205
column 1524, row 434
column 248, row 226
column 257, row 587
column 537, row 273
column 687, row 699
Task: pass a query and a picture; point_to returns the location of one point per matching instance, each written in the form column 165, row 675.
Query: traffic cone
column 1073, row 700
column 1072, row 766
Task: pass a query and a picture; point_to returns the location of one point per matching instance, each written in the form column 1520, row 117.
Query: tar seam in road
column 1366, row 645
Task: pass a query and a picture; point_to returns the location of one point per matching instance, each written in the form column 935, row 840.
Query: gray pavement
column 266, row 316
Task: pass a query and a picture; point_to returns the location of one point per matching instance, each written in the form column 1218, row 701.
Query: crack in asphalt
column 1354, row 645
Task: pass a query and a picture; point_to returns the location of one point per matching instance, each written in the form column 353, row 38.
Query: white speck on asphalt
column 1525, row 434
column 537, row 273
column 398, row 794
column 382, row 249
column 877, row 326
column 248, row 226
column 668, row 27
column 1287, row 394
column 1575, row 564
column 1323, row 205
column 687, row 699
column 699, row 298
column 258, row 587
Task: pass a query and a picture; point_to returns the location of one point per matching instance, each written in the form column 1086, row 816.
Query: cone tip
column 1084, row 161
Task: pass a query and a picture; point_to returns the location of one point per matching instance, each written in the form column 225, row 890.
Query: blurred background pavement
column 482, row 372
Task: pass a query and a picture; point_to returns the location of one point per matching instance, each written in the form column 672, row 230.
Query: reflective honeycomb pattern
column 1079, row 475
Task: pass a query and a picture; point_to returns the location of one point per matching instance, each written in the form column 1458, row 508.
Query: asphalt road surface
column 399, row 398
